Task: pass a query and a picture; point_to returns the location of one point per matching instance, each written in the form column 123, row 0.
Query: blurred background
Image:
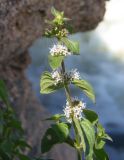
column 101, row 62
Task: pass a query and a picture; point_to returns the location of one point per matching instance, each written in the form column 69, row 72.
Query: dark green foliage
column 58, row 133
column 12, row 142
column 91, row 116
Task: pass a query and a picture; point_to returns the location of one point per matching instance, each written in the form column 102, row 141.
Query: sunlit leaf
column 55, row 61
column 47, row 84
column 101, row 132
column 80, row 132
column 85, row 87
column 100, row 154
column 89, row 132
column 99, row 144
column 55, row 12
column 73, row 46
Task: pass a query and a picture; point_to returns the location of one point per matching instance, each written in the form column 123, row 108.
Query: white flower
column 59, row 49
column 56, row 75
column 75, row 74
column 67, row 76
column 75, row 110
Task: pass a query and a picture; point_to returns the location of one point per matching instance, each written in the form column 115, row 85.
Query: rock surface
column 21, row 23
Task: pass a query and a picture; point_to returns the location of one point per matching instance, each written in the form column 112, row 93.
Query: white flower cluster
column 56, row 75
column 59, row 50
column 74, row 74
column 75, row 110
column 68, row 76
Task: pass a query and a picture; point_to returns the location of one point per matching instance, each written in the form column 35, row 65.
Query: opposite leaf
column 90, row 136
column 71, row 45
column 91, row 116
column 86, row 87
column 100, row 154
column 55, row 61
column 47, row 84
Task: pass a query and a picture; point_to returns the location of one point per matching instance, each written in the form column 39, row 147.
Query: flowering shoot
column 75, row 110
column 89, row 135
column 59, row 50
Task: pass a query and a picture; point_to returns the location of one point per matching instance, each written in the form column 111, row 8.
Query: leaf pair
column 47, row 86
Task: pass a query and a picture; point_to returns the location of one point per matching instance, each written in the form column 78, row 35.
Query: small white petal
column 75, row 110
column 59, row 49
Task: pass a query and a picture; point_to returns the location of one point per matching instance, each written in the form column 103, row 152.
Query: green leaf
column 86, row 87
column 89, row 132
column 4, row 155
column 47, row 84
column 14, row 123
column 23, row 157
column 71, row 45
column 100, row 154
column 56, row 117
column 55, row 61
column 61, row 130
column 3, row 93
column 101, row 132
column 55, row 12
column 91, row 116
column 58, row 133
column 106, row 136
column 79, row 130
column 23, row 144
column 99, row 144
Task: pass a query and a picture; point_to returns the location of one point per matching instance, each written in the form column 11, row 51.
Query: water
column 101, row 63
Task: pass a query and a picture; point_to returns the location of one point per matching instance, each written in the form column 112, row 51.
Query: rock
column 21, row 23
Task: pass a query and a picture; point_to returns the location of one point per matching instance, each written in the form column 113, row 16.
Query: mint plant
column 90, row 136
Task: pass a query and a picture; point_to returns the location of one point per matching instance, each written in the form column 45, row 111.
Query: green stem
column 67, row 91
column 79, row 154
column 68, row 95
